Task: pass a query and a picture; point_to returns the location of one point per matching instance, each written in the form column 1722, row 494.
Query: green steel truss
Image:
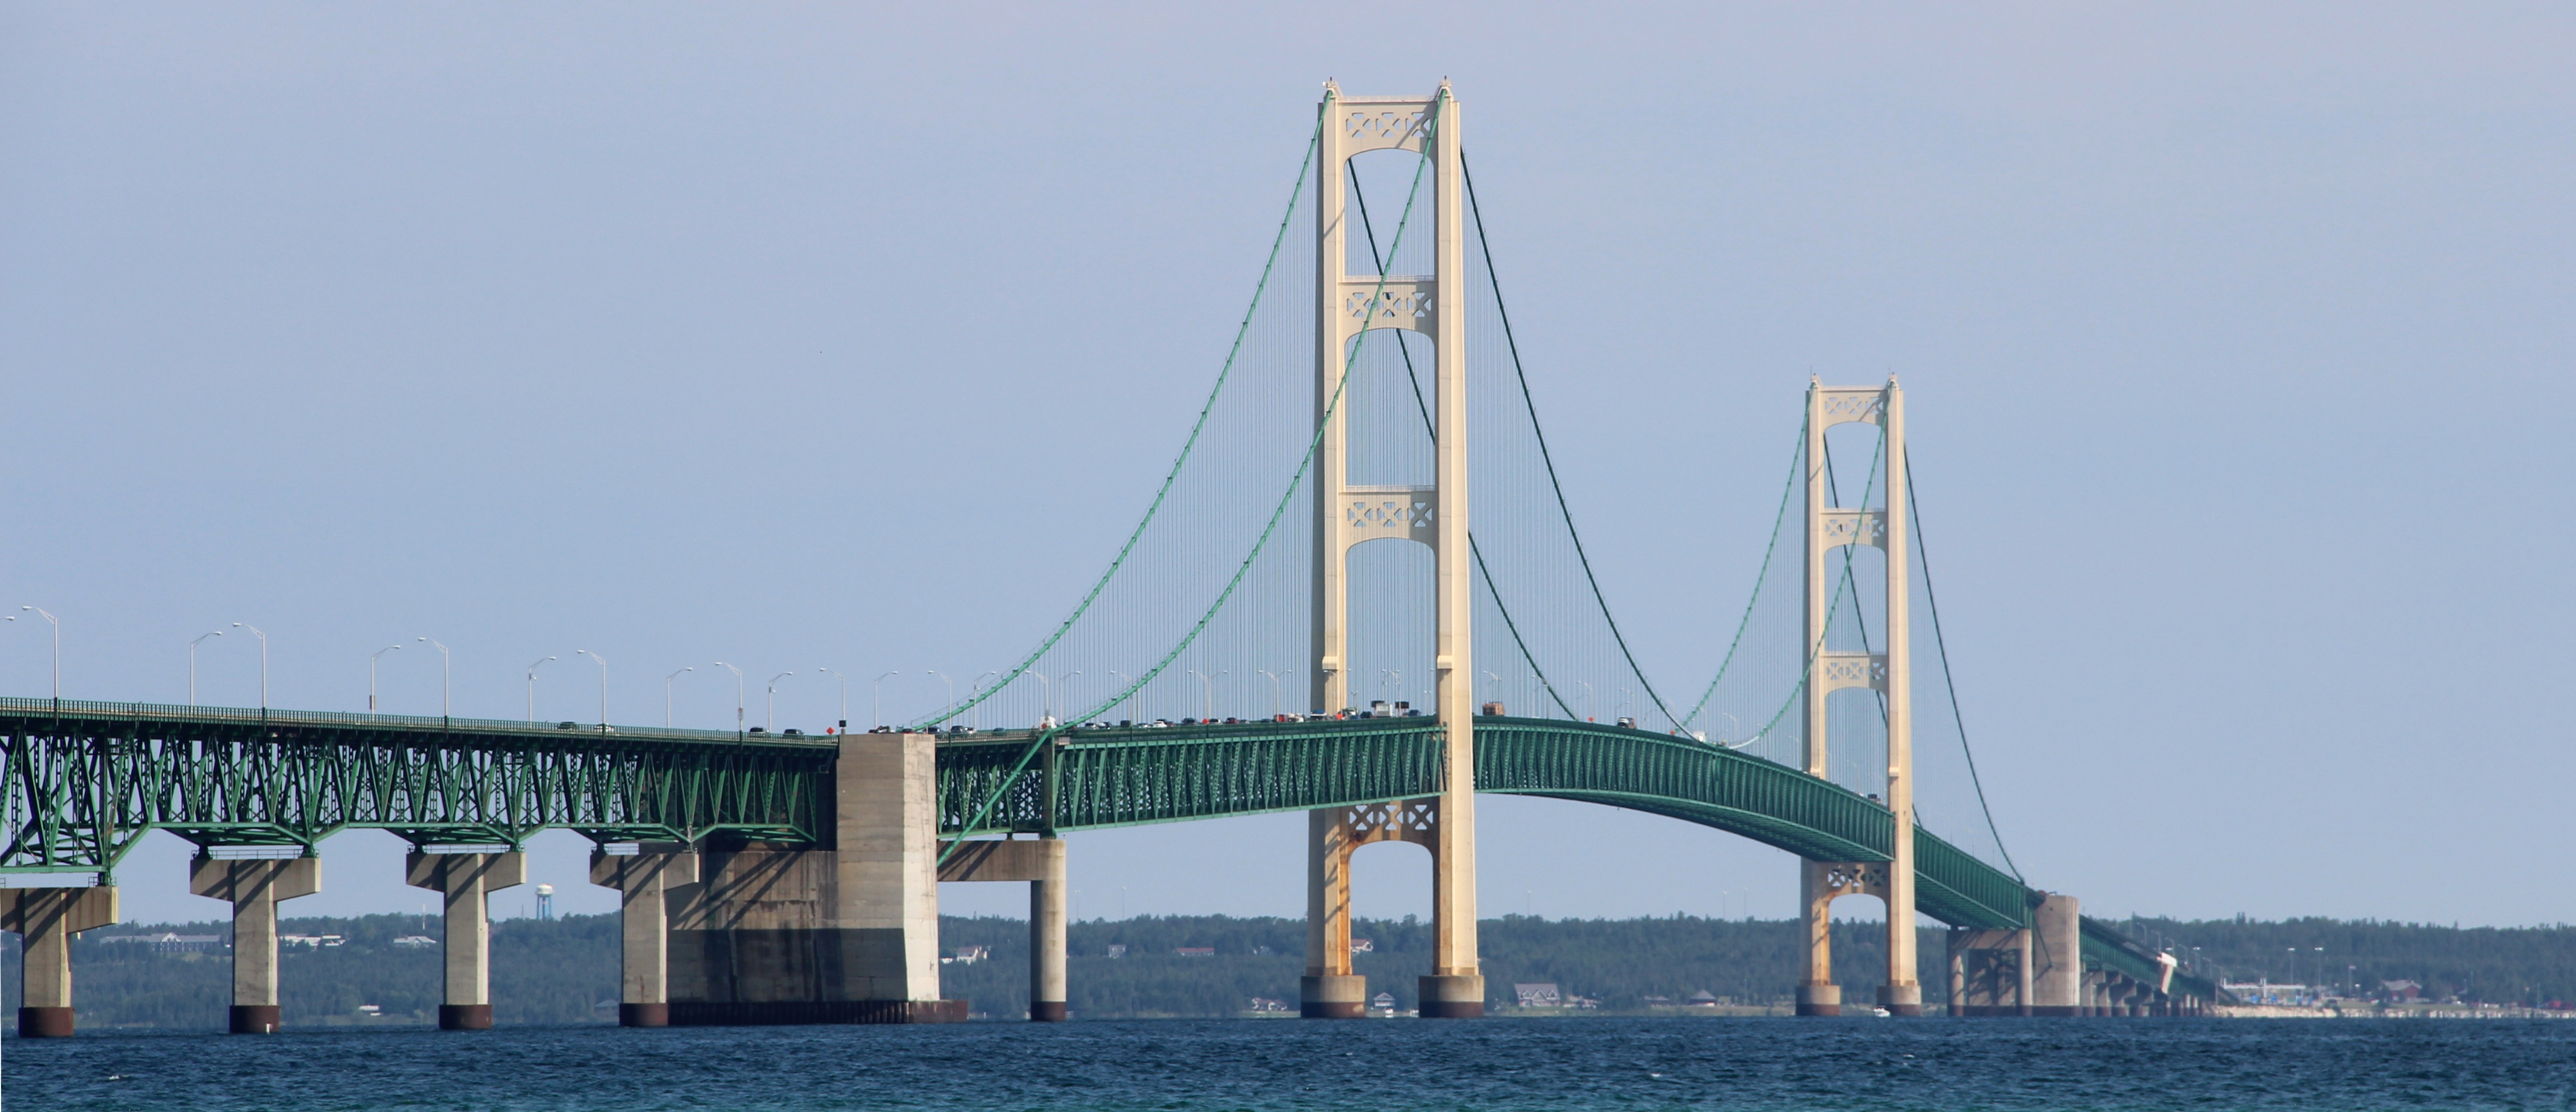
column 84, row 781
column 1131, row 776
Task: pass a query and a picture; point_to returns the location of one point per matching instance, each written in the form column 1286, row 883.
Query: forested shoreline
column 565, row 971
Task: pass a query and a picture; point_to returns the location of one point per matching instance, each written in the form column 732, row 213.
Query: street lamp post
column 1125, row 682
column 1274, row 692
column 666, row 695
column 58, row 648
column 943, row 678
column 876, row 701
column 737, row 694
column 446, row 679
column 975, row 689
column 1046, row 698
column 1497, row 682
column 1207, row 684
column 845, row 696
column 263, row 664
column 532, row 691
column 603, row 686
column 192, row 672
column 372, row 658
column 769, row 710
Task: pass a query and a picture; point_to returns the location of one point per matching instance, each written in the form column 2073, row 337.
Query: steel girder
column 1131, row 776
column 84, row 781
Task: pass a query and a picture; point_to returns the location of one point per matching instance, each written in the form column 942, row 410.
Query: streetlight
column 769, row 712
column 372, row 658
column 192, row 672
column 58, row 649
column 1274, row 692
column 737, row 694
column 603, row 685
column 666, row 695
column 1497, row 682
column 1126, row 682
column 845, row 696
column 1587, row 700
column 532, row 691
column 876, row 701
column 973, row 689
column 263, row 665
column 1390, row 681
column 446, row 679
column 1207, row 683
column 1067, row 680
column 1046, row 698
column 943, row 678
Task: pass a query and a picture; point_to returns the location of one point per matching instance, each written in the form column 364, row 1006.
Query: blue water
column 1345, row 1067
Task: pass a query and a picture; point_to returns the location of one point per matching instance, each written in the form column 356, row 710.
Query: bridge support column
column 254, row 886
column 1330, row 990
column 45, row 920
column 467, row 880
column 643, row 881
column 1817, row 992
column 1985, row 972
column 1042, row 864
column 1047, row 937
column 2057, row 958
column 777, row 935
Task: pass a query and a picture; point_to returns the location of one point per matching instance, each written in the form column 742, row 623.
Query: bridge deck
column 83, row 782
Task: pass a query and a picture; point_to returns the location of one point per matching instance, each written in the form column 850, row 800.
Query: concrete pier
column 643, row 880
column 46, row 919
column 254, row 886
column 2057, row 958
column 1041, row 863
column 1986, row 972
column 467, row 880
column 848, row 934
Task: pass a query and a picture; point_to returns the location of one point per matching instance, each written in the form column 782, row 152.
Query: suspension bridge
column 1325, row 521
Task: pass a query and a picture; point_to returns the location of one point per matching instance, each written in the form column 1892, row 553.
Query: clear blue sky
column 2233, row 335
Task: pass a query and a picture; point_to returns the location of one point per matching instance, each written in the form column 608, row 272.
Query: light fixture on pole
column 666, row 695
column 977, row 687
column 769, row 712
column 58, row 648
column 1064, row 694
column 263, row 663
column 1208, row 683
column 737, row 694
column 876, row 701
column 192, row 672
column 845, row 695
column 1046, row 699
column 372, row 658
column 603, row 686
column 952, row 687
column 446, row 679
column 1274, row 692
column 532, row 691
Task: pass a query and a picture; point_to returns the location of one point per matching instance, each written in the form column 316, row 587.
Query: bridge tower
column 1830, row 527
column 1347, row 515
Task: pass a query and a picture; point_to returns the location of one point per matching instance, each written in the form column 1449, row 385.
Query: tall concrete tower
column 1830, row 527
column 1347, row 515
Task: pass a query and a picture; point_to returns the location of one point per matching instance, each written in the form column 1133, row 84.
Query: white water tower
column 545, row 903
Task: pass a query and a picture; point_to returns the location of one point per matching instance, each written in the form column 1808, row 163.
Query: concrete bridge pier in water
column 254, row 886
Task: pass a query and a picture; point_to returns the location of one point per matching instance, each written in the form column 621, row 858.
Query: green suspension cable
column 1914, row 517
column 1759, row 578
column 1430, row 429
column 1314, row 445
column 1513, row 344
column 1224, row 373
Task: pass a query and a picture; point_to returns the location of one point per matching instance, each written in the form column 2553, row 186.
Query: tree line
column 566, row 971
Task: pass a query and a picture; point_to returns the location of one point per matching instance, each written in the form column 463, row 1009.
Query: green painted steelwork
column 84, row 781
column 1135, row 775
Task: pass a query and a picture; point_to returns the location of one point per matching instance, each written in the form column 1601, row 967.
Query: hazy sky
column 795, row 335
